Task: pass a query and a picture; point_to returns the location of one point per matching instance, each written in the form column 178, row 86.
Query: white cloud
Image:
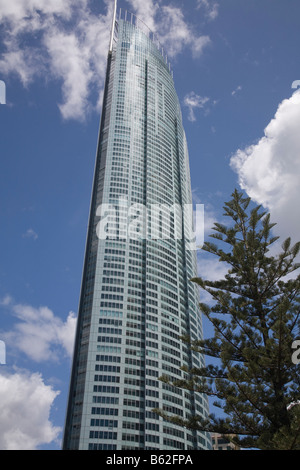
column 210, row 269
column 7, row 300
column 169, row 24
column 237, row 89
column 193, row 101
column 71, row 64
column 146, row 11
column 78, row 58
column 30, row 233
column 66, row 41
column 211, row 8
column 25, row 405
column 40, row 334
column 17, row 10
column 269, row 170
column 176, row 33
column 19, row 62
column 23, row 21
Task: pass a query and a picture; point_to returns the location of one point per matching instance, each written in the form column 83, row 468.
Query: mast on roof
column 113, row 26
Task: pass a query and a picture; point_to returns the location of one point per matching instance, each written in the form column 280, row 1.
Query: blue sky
column 234, row 64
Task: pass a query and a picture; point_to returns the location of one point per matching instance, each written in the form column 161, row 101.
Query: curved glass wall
column 136, row 299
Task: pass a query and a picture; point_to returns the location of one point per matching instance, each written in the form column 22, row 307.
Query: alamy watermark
column 121, row 221
column 2, row 353
column 296, row 84
column 296, row 354
column 2, row 92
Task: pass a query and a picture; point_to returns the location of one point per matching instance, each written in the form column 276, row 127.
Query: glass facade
column 136, row 298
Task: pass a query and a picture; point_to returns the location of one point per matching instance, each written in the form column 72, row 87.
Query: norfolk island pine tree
column 255, row 317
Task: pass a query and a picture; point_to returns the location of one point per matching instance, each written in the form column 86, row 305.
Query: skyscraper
column 136, row 296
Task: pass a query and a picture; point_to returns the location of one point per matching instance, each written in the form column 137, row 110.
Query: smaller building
column 219, row 442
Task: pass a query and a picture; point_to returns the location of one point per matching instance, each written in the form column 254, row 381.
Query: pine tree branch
column 294, row 441
column 279, row 274
column 254, row 313
column 251, row 430
column 245, row 395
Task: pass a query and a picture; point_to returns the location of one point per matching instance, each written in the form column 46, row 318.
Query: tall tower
column 136, row 296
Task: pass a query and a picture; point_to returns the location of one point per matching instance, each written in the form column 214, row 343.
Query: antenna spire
column 113, row 26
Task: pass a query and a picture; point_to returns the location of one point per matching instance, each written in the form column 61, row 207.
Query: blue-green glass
column 136, row 298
